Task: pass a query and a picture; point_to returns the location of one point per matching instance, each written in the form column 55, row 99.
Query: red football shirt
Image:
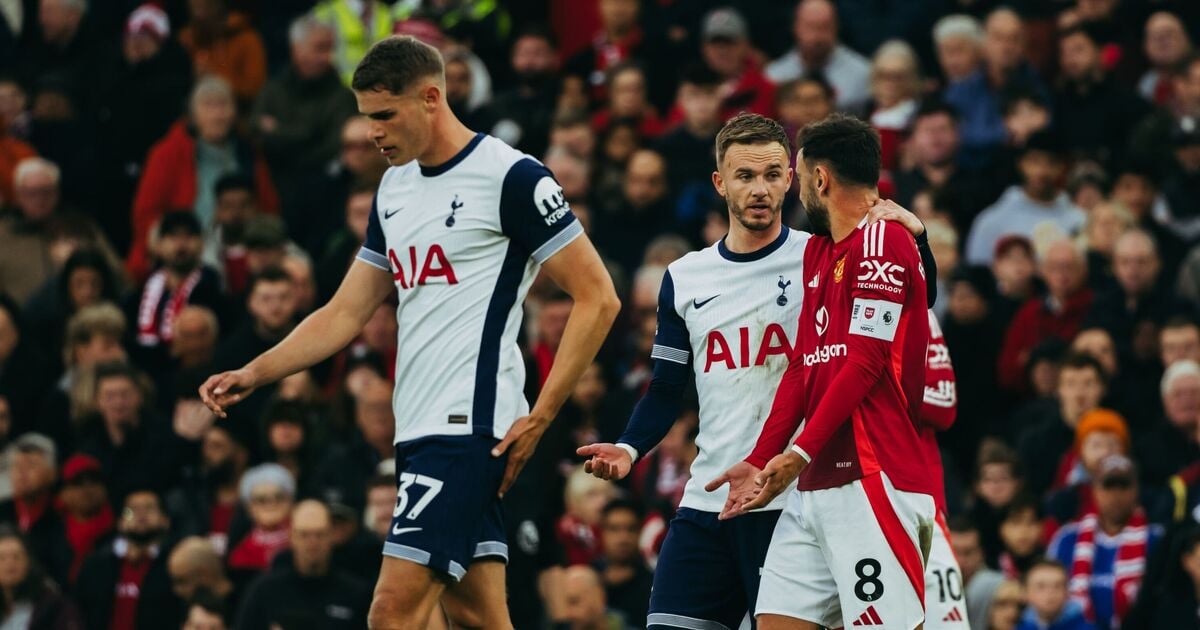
column 857, row 373
column 939, row 406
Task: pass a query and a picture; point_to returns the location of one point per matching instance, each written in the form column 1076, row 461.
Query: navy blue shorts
column 447, row 514
column 708, row 570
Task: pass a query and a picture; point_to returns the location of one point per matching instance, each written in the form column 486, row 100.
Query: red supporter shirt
column 129, row 591
column 938, row 407
column 858, row 369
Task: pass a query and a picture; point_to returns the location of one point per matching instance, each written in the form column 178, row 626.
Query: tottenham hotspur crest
column 783, row 285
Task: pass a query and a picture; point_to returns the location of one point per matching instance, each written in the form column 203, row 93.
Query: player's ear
column 431, row 95
column 821, row 179
column 718, row 183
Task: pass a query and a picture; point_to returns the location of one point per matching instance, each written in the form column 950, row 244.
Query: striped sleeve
column 374, row 249
column 671, row 340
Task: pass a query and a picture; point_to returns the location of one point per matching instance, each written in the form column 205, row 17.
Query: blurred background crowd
column 182, row 181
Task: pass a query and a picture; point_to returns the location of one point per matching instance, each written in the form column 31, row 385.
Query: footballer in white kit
column 729, row 318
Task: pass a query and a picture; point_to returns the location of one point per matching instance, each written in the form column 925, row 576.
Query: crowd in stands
column 181, row 182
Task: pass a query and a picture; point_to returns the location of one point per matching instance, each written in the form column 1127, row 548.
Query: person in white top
column 461, row 225
column 819, row 51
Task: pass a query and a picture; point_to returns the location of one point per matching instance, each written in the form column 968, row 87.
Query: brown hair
column 750, row 129
column 395, row 64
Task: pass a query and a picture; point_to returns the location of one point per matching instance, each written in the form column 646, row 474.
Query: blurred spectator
column 136, row 446
column 1106, row 222
column 1049, row 426
column 484, row 24
column 344, row 471
column 1039, row 200
column 267, row 244
column 93, row 336
column 979, row 581
column 224, row 43
column 1092, row 112
column 1166, row 44
column 271, row 310
column 627, row 101
column 344, row 243
column 139, row 89
column 1049, row 607
column 25, row 235
column 125, row 585
column 12, row 152
column 34, row 469
column 572, row 131
column 65, row 47
column 195, row 566
column 31, row 600
column 578, row 530
column 204, row 502
column 1015, row 270
column 182, row 280
column 357, row 25
column 1087, row 185
column 182, row 169
column 973, row 334
column 1059, row 314
column 381, row 499
column 525, row 111
column 725, row 49
column 627, row 579
column 1107, row 548
column 15, row 116
column 644, row 203
column 205, row 612
column 959, row 42
column 286, row 440
column 895, row 86
column 818, row 51
column 586, row 607
column 931, row 164
column 266, row 492
column 1175, row 442
column 475, row 113
column 355, row 550
column 307, row 590
column 87, row 516
column 1135, row 189
column 310, row 222
column 803, row 101
column 687, row 149
column 978, row 96
column 85, row 279
column 658, row 478
column 1021, row 534
column 298, row 114
column 1151, row 140
column 619, row 39
column 998, row 479
column 1182, row 180
column 1172, row 601
column 195, row 340
column 1004, row 611
column 1179, row 339
column 1133, row 401
column 1099, row 433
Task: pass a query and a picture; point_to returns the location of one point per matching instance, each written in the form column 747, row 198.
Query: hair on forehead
column 751, row 129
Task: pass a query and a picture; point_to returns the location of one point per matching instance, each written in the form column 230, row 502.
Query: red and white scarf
column 1127, row 570
column 153, row 329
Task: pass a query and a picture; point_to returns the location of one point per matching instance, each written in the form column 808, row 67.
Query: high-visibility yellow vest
column 352, row 38
column 473, row 11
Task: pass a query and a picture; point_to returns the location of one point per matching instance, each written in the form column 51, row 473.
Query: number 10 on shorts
column 407, row 480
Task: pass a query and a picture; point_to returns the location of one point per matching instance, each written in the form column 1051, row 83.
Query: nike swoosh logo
column 387, row 214
column 696, row 304
column 396, row 531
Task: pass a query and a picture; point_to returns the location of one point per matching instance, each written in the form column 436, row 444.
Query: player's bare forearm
column 329, row 328
column 580, row 272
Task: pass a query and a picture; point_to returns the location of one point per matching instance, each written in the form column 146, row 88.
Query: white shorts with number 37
column 945, row 605
column 852, row 556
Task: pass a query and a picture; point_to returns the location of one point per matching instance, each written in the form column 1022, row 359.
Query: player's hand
column 741, row 488
column 780, row 473
column 608, row 461
column 519, row 442
column 226, row 389
column 888, row 210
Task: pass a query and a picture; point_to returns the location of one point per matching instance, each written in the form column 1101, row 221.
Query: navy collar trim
column 757, row 254
column 434, row 171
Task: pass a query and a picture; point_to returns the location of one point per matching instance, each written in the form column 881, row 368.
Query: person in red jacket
column 182, row 169
column 1060, row 313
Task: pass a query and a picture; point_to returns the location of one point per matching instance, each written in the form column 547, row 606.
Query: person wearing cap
column 1100, row 433
column 1105, row 551
column 33, row 471
column 138, row 92
column 725, row 49
column 1038, row 200
column 298, row 115
column 85, row 509
column 181, row 170
column 183, row 279
column 818, row 51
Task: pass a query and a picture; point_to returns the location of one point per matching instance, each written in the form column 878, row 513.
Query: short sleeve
column 888, row 270
column 671, row 340
column 533, row 211
column 374, row 249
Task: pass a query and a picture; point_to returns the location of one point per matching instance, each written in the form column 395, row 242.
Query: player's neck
column 449, row 137
column 848, row 210
column 743, row 241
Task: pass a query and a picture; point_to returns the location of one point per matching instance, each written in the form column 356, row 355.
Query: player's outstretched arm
column 324, row 332
column 576, row 268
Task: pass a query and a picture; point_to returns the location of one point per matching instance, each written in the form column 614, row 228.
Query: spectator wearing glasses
column 267, row 492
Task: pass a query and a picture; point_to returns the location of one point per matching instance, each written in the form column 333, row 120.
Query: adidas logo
column 868, row 618
column 953, row 615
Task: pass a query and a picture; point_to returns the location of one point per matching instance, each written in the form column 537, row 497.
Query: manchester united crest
column 838, row 268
